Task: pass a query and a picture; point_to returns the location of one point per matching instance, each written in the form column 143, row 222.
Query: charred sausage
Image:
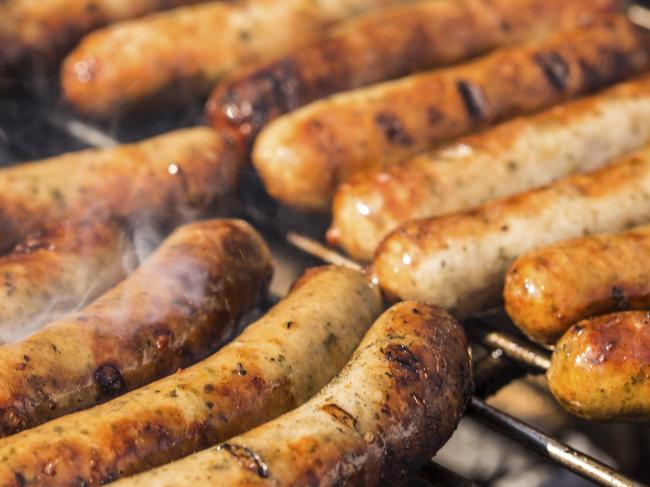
column 302, row 156
column 170, row 177
column 180, row 55
column 173, row 310
column 515, row 156
column 599, row 370
column 59, row 269
column 383, row 45
column 459, row 261
column 278, row 362
column 392, row 407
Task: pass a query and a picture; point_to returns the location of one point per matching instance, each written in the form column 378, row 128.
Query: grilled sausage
column 459, row 261
column 392, row 407
column 56, row 270
column 173, row 176
column 172, row 310
column 512, row 157
column 390, row 43
column 549, row 289
column 34, row 32
column 302, row 156
column 275, row 365
column 599, row 370
column 180, row 55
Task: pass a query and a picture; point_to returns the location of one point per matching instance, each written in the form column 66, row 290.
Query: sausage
column 383, row 45
column 459, row 261
column 59, row 269
column 171, row 177
column 392, row 407
column 549, row 289
column 302, row 156
column 515, row 156
column 170, row 312
column 599, row 370
column 40, row 33
column 180, row 55
column 277, row 363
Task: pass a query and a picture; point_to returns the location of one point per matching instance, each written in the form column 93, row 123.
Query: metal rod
column 316, row 249
column 82, row 131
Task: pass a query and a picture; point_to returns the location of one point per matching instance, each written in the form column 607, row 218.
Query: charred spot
column 109, row 379
column 620, row 298
column 403, row 363
column 591, row 75
column 393, row 128
column 473, row 99
column 555, row 68
column 331, row 340
column 341, row 415
column 208, row 388
column 239, row 370
column 20, row 479
column 289, row 324
column 247, row 458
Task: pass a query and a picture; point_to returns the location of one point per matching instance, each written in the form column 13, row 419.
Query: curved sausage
column 383, row 45
column 459, row 261
column 170, row 312
column 392, row 407
column 57, row 270
column 178, row 56
column 171, row 177
column 599, row 370
column 276, row 364
column 515, row 156
column 304, row 155
column 549, row 289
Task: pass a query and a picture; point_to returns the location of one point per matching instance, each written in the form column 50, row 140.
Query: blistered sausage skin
column 599, row 369
column 304, row 155
column 549, row 289
column 169, row 177
column 397, row 401
column 383, row 45
column 40, row 32
column 515, row 156
column 277, row 363
column 173, row 310
column 59, row 269
column 459, row 261
column 180, row 55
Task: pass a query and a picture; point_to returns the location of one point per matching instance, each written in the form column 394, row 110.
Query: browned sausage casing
column 392, row 407
column 170, row 312
column 275, row 365
column 387, row 44
column 303, row 155
column 170, row 177
column 600, row 369
column 549, row 289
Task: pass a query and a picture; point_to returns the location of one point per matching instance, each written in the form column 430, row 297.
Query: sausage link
column 57, row 270
column 174, row 176
column 304, row 155
column 392, row 407
column 515, row 156
column 599, row 370
column 383, row 45
column 170, row 312
column 459, row 261
column 277, row 363
column 179, row 55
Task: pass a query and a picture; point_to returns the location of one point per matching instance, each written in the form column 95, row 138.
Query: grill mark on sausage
column 473, row 99
column 620, row 297
column 109, row 379
column 341, row 415
column 393, row 128
column 247, row 458
column 555, row 68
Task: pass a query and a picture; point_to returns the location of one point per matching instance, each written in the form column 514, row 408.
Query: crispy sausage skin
column 459, row 261
column 302, row 156
column 392, row 407
column 169, row 177
column 599, row 370
column 181, row 54
column 277, row 363
column 170, row 312
column 383, row 45
column 41, row 32
column 58, row 269
column 515, row 156
column 549, row 289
